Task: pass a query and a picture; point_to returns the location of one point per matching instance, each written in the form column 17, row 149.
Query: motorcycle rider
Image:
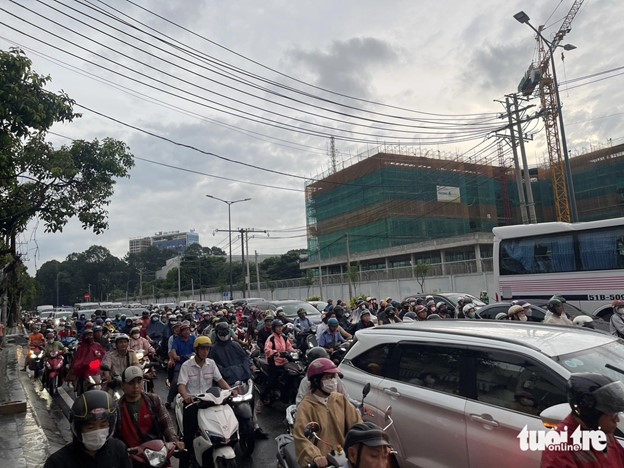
column 85, row 359
column 67, row 331
column 304, row 385
column 92, row 420
column 367, row 446
column 156, row 329
column 364, row 322
column 98, row 337
column 181, row 349
column 331, row 337
column 142, row 416
column 617, row 319
column 558, row 316
column 303, row 325
column 138, row 342
column 326, row 406
column 195, row 377
column 277, row 343
column 265, row 330
column 36, row 338
column 118, row 360
column 596, row 401
column 233, row 362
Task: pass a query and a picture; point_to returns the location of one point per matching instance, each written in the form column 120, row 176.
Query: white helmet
column 584, row 321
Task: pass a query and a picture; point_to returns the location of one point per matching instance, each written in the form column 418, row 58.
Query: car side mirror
column 553, row 415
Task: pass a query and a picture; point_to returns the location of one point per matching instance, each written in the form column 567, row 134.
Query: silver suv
column 461, row 390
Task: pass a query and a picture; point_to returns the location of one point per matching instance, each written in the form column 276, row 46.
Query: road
column 271, row 419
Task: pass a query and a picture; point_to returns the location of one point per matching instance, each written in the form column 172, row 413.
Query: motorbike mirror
column 104, row 367
column 311, row 429
column 255, row 353
column 388, row 417
column 366, row 390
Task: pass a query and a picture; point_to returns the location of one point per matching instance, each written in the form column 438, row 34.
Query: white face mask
column 522, row 318
column 136, row 336
column 95, row 440
column 330, row 385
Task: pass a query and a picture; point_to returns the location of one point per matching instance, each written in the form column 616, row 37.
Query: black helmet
column 222, row 329
column 93, row 405
column 365, row 433
column 276, row 323
column 552, row 303
column 591, row 395
column 123, row 317
column 315, row 353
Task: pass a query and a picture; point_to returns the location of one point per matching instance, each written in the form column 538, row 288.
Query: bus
column 583, row 262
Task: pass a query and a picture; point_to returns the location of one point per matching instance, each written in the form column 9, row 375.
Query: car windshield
column 291, row 308
column 607, row 359
column 475, row 300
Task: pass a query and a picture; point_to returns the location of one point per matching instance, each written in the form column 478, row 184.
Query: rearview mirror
column 311, row 429
column 553, row 415
column 366, row 390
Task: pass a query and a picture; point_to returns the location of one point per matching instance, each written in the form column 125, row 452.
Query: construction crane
column 551, row 107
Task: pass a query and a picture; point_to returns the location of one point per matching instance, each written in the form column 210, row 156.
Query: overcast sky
column 401, row 60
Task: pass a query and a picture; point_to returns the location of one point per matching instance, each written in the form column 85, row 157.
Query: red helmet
column 321, row 366
column 617, row 303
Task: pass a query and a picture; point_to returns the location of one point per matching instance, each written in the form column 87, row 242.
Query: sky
column 239, row 99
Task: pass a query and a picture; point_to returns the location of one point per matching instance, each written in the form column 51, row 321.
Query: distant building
column 173, row 240
column 390, row 210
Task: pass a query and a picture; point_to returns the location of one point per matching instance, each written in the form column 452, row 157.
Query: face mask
column 94, row 440
column 224, row 337
column 472, row 314
column 362, row 307
column 155, row 319
column 330, row 385
column 522, row 318
column 88, row 339
column 136, row 336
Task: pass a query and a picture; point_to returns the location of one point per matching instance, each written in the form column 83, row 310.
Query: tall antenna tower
column 332, row 154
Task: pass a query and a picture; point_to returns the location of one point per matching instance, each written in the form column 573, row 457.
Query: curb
column 12, row 395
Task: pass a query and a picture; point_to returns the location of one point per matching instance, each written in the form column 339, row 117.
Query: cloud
column 346, row 66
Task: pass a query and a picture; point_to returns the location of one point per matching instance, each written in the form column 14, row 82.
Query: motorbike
column 306, row 340
column 217, row 432
column 340, row 352
column 154, row 453
column 35, row 364
column 70, row 343
column 286, row 385
column 53, row 369
column 242, row 404
column 92, row 382
column 149, row 371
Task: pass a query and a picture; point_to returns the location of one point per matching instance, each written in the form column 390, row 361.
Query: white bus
column 583, row 262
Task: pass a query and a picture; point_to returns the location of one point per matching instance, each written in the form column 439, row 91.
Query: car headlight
column 156, row 457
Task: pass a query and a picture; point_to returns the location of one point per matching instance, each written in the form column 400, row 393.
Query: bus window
column 602, row 249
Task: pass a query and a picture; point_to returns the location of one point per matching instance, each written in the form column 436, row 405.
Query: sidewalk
column 23, row 442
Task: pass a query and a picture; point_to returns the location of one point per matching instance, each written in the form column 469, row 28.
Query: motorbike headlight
column 156, row 457
column 139, row 356
column 240, row 398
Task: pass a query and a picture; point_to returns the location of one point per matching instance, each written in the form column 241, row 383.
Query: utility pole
column 349, row 267
column 242, row 234
column 179, row 267
column 527, row 176
column 257, row 272
column 523, row 210
column 248, row 279
column 320, row 272
column 141, row 285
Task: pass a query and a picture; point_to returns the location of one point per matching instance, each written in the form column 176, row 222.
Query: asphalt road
column 271, row 419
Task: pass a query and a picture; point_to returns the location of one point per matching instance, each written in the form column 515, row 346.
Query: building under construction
column 389, row 210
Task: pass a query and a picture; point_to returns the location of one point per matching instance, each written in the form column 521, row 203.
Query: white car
column 462, row 390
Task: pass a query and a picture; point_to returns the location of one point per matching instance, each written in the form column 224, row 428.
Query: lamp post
column 229, row 204
column 523, row 18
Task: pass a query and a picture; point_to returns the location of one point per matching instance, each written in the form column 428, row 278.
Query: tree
column 420, row 271
column 39, row 181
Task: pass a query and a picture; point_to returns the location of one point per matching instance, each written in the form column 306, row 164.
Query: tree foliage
column 40, row 181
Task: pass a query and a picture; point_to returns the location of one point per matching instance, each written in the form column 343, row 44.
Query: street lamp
column 229, row 204
column 523, row 18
